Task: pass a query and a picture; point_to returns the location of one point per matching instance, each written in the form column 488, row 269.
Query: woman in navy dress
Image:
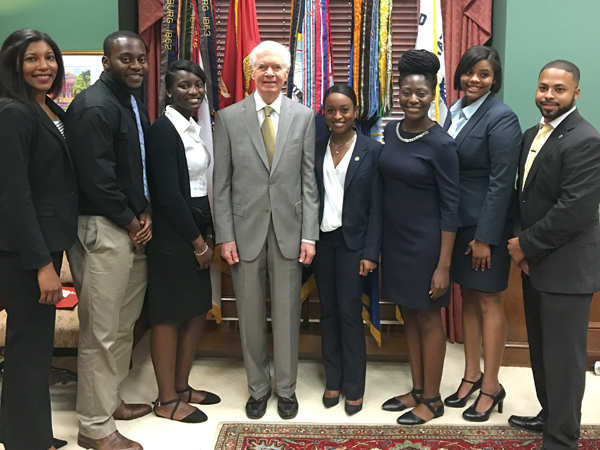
column 419, row 166
column 488, row 136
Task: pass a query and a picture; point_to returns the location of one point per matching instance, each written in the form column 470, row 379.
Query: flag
column 430, row 36
column 242, row 36
column 370, row 301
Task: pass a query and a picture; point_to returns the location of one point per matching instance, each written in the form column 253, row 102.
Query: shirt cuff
column 309, row 241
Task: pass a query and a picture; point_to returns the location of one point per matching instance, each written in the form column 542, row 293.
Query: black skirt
column 490, row 280
column 177, row 290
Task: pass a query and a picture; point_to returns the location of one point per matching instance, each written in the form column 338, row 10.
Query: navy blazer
column 489, row 146
column 560, row 231
column 38, row 188
column 169, row 184
column 363, row 198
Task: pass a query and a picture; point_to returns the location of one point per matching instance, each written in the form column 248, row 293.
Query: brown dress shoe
column 115, row 441
column 130, row 411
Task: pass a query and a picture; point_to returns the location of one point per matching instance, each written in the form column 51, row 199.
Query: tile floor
column 226, row 377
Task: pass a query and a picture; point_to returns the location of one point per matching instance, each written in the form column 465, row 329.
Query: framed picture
column 82, row 69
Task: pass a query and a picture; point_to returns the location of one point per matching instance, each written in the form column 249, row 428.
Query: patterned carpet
column 293, row 436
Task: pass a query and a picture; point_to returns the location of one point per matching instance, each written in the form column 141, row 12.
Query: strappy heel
column 196, row 416
column 454, row 401
column 209, row 399
column 411, row 418
column 472, row 415
column 393, row 404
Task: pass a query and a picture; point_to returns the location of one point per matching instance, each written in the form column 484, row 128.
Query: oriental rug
column 295, row 436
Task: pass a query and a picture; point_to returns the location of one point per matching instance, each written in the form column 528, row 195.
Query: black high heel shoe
column 353, row 409
column 393, row 404
column 329, row 402
column 411, row 418
column 472, row 415
column 454, row 401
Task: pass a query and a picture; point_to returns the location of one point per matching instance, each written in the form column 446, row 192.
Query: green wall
column 73, row 24
column 530, row 33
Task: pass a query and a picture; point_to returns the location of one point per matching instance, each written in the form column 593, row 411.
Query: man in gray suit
column 266, row 218
column 557, row 247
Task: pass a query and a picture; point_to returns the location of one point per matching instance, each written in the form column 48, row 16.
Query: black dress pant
column 340, row 287
column 557, row 326
column 25, row 416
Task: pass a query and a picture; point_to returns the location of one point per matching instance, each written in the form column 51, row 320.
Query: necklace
column 340, row 146
column 419, row 136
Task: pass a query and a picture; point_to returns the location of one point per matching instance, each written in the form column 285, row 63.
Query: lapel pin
column 560, row 136
column 357, row 158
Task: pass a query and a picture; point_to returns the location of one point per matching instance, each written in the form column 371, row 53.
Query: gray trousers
column 285, row 281
column 110, row 280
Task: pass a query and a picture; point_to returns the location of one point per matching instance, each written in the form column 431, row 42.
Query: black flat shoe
column 527, row 423
column 393, row 404
column 287, row 407
column 196, row 416
column 410, row 418
column 256, row 408
column 454, row 401
column 472, row 415
column 331, row 401
column 59, row 443
column 209, row 399
column 352, row 409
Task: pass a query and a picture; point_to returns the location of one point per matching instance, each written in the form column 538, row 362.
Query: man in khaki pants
column 105, row 130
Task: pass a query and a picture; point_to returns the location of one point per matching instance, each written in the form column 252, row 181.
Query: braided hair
column 419, row 62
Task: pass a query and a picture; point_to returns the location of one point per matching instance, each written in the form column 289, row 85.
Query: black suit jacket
column 489, row 146
column 169, row 183
column 363, row 197
column 38, row 189
column 560, row 234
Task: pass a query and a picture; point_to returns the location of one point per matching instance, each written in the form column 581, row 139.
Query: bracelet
column 204, row 251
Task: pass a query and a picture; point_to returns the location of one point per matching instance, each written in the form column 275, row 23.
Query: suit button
column 271, row 184
column 266, row 210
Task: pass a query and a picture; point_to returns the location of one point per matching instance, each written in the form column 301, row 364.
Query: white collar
column 556, row 122
column 471, row 109
column 260, row 103
column 180, row 123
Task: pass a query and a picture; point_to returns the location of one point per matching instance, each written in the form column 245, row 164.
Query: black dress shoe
column 410, row 418
column 393, row 404
column 331, row 401
column 527, row 423
column 287, row 407
column 472, row 415
column 454, row 401
column 256, row 408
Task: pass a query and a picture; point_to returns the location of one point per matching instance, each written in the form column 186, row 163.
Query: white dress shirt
column 333, row 183
column 275, row 114
column 196, row 153
column 460, row 116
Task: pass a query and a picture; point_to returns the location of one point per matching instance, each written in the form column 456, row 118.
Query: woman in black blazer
column 38, row 221
column 181, row 251
column 346, row 166
column 489, row 140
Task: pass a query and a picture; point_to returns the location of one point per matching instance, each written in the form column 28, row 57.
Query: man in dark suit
column 557, row 248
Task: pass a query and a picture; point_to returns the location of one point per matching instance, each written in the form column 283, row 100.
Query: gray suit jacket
column 558, row 207
column 247, row 192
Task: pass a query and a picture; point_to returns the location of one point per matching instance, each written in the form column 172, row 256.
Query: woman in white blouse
column 346, row 166
column 181, row 251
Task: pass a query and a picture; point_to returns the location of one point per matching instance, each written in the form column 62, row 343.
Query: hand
column 481, row 255
column 525, row 267
column 367, row 266
column 206, row 259
column 307, row 253
column 515, row 251
column 145, row 234
column 439, row 283
column 50, row 285
column 133, row 229
column 229, row 252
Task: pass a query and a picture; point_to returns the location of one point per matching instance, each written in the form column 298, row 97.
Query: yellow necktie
column 535, row 147
column 268, row 134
